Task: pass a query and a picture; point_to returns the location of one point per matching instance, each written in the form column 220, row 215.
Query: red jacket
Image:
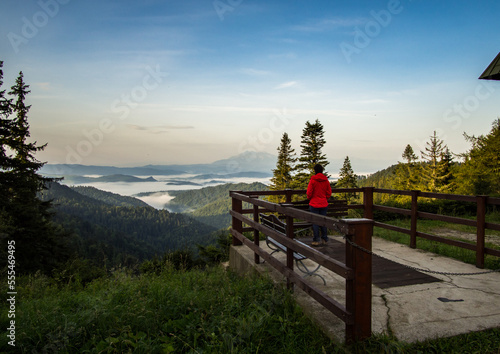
column 318, row 191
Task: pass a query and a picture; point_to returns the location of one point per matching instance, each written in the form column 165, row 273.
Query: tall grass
column 211, row 311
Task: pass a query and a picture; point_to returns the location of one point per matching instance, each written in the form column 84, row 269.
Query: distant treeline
column 211, row 205
column 477, row 171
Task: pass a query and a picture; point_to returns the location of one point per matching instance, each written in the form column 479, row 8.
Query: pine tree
column 407, row 173
column 347, row 178
column 312, row 143
column 25, row 217
column 480, row 172
column 5, row 128
column 6, row 161
column 436, row 169
column 285, row 166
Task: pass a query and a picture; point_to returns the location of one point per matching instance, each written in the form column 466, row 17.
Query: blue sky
column 131, row 83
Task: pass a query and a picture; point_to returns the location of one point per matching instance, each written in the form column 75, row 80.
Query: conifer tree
column 5, row 129
column 285, row 166
column 312, row 143
column 407, row 173
column 480, row 172
column 25, row 217
column 347, row 178
column 436, row 170
column 6, row 160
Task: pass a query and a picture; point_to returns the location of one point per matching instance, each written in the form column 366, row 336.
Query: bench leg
column 308, row 273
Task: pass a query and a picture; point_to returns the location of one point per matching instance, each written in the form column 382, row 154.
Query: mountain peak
column 248, row 161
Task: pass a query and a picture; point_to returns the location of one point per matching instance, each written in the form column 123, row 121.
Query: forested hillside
column 380, row 179
column 211, row 205
column 113, row 234
column 108, row 197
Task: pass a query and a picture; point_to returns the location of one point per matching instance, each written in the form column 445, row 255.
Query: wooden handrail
column 357, row 312
column 357, row 269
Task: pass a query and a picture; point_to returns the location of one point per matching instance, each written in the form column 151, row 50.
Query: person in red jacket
column 318, row 192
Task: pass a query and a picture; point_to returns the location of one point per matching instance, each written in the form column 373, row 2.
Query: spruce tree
column 5, row 129
column 407, row 173
column 6, row 161
column 312, row 143
column 436, row 171
column 285, row 166
column 480, row 172
column 26, row 218
column 347, row 178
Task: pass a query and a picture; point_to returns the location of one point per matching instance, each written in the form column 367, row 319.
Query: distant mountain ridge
column 245, row 162
column 108, row 179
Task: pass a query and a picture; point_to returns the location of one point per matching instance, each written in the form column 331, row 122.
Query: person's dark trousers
column 316, row 228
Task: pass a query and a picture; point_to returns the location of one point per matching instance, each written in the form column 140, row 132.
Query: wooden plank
column 392, row 227
column 447, row 241
column 450, row 219
column 392, row 210
column 455, row 197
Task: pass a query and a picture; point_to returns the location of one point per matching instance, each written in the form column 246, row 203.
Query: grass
column 211, row 311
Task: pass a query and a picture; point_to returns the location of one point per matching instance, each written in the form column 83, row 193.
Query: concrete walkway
column 455, row 305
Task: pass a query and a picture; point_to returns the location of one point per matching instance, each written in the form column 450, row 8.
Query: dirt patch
column 449, row 233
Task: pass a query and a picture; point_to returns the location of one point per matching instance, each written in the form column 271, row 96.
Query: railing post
column 288, row 195
column 368, row 202
column 237, row 225
column 289, row 251
column 255, row 231
column 359, row 289
column 414, row 213
column 481, row 226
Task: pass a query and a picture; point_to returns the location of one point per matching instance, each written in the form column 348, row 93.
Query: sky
column 131, row 83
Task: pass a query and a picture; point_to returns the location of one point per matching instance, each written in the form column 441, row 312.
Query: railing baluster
column 481, row 223
column 255, row 231
column 237, row 225
column 414, row 214
column 289, row 251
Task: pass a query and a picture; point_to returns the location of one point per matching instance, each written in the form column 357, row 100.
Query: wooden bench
column 276, row 224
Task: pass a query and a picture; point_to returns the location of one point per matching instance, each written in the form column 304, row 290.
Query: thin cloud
column 289, row 55
column 255, row 72
column 159, row 129
column 328, row 24
column 44, row 86
column 286, row 85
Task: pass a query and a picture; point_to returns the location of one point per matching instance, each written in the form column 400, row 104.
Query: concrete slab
column 456, row 305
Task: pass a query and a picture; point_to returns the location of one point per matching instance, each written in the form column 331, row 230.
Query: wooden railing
column 482, row 202
column 357, row 272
